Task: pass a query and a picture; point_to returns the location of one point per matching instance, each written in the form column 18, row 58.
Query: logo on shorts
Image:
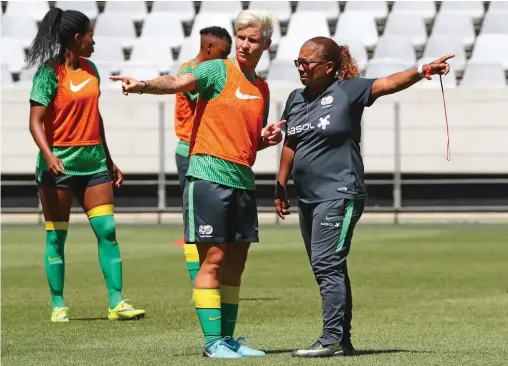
column 331, row 224
column 205, row 231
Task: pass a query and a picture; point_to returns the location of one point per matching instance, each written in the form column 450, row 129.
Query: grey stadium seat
column 229, row 8
column 398, row 47
column 456, row 25
column 491, row 48
column 6, row 75
column 379, row 9
column 378, row 68
column 150, row 52
column 135, row 10
column 116, row 25
column 473, row 9
column 289, row 49
column 27, row 9
column 184, row 10
column 23, row 28
column 410, row 25
column 483, row 75
column 495, row 22
column 108, row 51
column 305, row 25
column 358, row 25
column 427, row 9
column 330, row 9
column 165, row 27
column 89, row 8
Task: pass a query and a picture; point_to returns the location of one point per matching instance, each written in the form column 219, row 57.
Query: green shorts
column 214, row 213
column 72, row 182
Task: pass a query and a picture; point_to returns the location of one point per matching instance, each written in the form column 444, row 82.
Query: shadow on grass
column 258, row 299
column 362, row 352
column 89, row 319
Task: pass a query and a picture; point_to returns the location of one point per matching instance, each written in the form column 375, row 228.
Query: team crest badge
column 327, row 100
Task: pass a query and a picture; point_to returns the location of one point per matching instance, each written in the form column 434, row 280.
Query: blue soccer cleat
column 242, row 349
column 220, row 349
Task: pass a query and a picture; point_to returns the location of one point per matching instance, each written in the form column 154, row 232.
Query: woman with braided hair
column 322, row 151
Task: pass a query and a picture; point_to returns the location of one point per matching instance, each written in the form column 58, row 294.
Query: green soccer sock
column 192, row 260
column 209, row 313
column 103, row 224
column 54, row 260
column 230, row 298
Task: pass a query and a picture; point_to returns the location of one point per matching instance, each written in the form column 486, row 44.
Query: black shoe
column 347, row 347
column 318, row 350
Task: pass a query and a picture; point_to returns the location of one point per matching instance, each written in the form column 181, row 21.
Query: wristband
column 424, row 73
column 145, row 86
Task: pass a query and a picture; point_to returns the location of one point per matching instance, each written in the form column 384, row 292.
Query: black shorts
column 73, row 182
column 214, row 213
column 182, row 165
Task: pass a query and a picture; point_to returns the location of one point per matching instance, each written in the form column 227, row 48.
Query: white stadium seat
column 166, row 28
column 398, row 47
column 203, row 21
column 184, row 10
column 189, row 49
column 27, row 9
column 229, row 8
column 378, row 68
column 379, row 9
column 473, row 9
column 281, row 10
column 13, row 54
column 283, row 75
column 117, row 25
column 498, row 6
column 27, row 74
column 329, row 9
column 151, row 53
column 356, row 49
column 135, row 10
column 263, row 64
column 483, row 75
column 358, row 25
column 491, row 48
column 456, row 25
column 410, row 25
column 89, row 8
column 6, row 75
column 140, row 72
column 299, row 26
column 441, row 45
column 23, row 28
column 108, row 51
column 495, row 22
column 289, row 49
column 426, row 9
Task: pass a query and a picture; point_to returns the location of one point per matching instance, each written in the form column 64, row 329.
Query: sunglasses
column 306, row 63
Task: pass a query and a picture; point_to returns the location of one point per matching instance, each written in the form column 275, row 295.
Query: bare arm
column 161, row 85
column 402, row 80
column 116, row 173
column 36, row 123
column 287, row 158
column 104, row 143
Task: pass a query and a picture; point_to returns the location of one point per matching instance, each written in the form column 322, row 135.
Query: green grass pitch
column 423, row 295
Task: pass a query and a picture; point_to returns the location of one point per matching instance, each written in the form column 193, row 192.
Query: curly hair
column 329, row 50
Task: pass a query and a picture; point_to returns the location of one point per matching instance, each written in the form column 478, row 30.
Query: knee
column 104, row 228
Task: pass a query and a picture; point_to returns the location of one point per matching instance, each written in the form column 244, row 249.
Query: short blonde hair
column 256, row 18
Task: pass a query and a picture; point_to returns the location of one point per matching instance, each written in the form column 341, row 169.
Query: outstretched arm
column 403, row 80
column 161, row 85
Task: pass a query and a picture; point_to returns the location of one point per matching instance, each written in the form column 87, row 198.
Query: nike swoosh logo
column 330, row 217
column 53, row 259
column 242, row 96
column 76, row 88
column 212, row 319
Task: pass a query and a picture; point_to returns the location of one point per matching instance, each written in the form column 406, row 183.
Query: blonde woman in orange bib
column 74, row 159
column 220, row 210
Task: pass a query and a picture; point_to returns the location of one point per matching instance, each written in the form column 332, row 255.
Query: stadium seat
column 27, row 75
column 483, row 75
column 304, row 25
column 409, row 25
column 23, row 28
column 456, row 25
column 283, row 75
column 117, row 25
column 13, row 54
column 149, row 52
column 166, row 28
column 397, row 47
column 379, row 9
column 89, row 8
column 276, row 35
column 473, row 9
column 264, row 63
column 378, row 68
column 184, row 10
column 189, row 49
column 140, row 72
column 104, row 74
column 356, row 49
column 289, row 48
column 281, row 10
column 498, row 6
column 358, row 25
column 204, row 20
column 108, row 51
column 27, row 9
column 495, row 21
column 329, row 9
column 427, row 9
column 229, row 8
column 441, row 45
column 6, row 75
column 491, row 48
column 135, row 10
